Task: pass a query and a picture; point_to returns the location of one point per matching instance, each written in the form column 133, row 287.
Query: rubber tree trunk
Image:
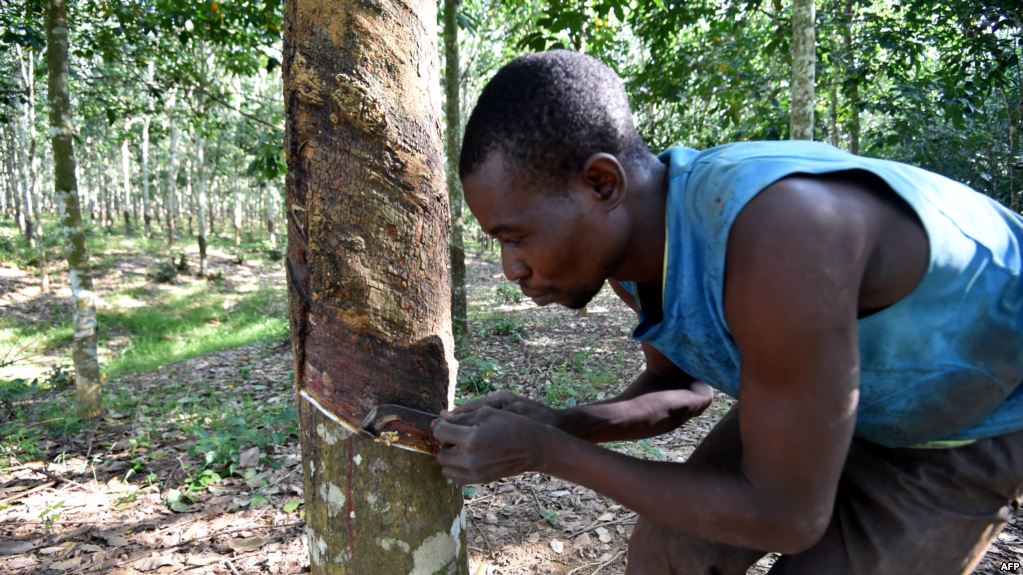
column 270, row 202
column 25, row 130
column 83, row 346
column 126, row 186
column 238, row 199
column 200, row 176
column 15, row 169
column 368, row 281
column 453, row 137
column 171, row 189
column 34, row 202
column 804, row 61
column 147, row 214
column 852, row 83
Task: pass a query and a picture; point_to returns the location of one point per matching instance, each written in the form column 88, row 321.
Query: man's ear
column 604, row 175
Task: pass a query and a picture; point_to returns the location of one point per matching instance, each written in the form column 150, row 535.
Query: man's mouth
column 539, row 297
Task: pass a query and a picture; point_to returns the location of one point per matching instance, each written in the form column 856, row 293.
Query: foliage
column 478, row 375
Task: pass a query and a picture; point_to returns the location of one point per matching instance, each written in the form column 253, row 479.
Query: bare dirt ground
column 98, row 503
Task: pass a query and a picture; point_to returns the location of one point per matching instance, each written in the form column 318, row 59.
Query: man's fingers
column 474, row 417
column 497, row 399
column 453, row 433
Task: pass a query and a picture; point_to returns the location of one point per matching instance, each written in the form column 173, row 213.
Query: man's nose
column 514, row 268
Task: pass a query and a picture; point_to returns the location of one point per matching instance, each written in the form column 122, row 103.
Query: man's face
column 558, row 247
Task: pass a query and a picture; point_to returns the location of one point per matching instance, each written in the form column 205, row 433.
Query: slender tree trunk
column 368, row 286
column 238, row 199
column 87, row 376
column 171, row 188
column 200, row 176
column 211, row 202
column 26, row 130
column 126, row 173
column 833, row 114
column 852, row 84
column 10, row 187
column 452, row 108
column 104, row 197
column 189, row 194
column 147, row 213
column 803, row 69
column 15, row 167
column 271, row 211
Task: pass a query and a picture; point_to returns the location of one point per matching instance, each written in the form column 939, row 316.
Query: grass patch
column 194, row 323
column 489, row 323
column 201, row 320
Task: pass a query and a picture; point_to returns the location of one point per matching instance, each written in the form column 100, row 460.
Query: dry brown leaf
column 111, row 538
column 155, row 562
column 15, row 547
column 249, row 458
column 242, row 545
column 203, row 560
column 67, row 564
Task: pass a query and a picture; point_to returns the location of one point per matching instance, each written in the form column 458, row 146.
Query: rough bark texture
column 453, row 136
column 83, row 347
column 804, row 61
column 368, row 284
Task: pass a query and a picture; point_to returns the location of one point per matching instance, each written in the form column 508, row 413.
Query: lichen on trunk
column 368, row 224
column 87, row 376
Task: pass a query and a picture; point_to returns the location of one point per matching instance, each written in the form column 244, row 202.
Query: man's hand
column 486, row 444
column 505, row 400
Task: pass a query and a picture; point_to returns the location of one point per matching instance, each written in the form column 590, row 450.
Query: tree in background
column 368, row 284
column 804, row 44
column 83, row 347
column 453, row 140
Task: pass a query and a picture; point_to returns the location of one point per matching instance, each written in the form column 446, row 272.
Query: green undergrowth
column 185, row 437
column 148, row 327
column 187, row 325
column 103, row 243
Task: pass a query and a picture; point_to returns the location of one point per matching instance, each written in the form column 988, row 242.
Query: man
column 867, row 315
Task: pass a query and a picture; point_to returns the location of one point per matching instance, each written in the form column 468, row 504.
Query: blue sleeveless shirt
column 942, row 364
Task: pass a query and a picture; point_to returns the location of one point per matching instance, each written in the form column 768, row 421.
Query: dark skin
column 805, row 259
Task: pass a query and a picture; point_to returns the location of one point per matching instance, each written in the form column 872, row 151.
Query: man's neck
column 646, row 203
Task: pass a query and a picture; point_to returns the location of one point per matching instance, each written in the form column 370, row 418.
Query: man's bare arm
column 796, row 257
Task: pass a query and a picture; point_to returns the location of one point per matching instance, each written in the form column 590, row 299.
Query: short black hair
column 548, row 113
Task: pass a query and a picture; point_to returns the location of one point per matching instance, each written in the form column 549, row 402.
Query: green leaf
column 292, row 505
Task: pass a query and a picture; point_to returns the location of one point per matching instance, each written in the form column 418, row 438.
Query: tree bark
column 453, row 136
column 26, row 129
column 170, row 203
column 126, row 188
column 200, row 176
column 87, row 376
column 852, row 82
column 15, row 171
column 147, row 213
column 368, row 284
column 804, row 61
column 238, row 199
column 271, row 211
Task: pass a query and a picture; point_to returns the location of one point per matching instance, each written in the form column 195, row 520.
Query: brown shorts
column 897, row 511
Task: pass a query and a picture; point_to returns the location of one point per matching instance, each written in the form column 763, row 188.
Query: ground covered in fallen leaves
column 195, row 467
